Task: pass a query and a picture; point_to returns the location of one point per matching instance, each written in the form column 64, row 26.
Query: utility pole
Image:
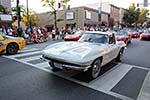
column 28, row 19
column 18, row 12
column 100, row 10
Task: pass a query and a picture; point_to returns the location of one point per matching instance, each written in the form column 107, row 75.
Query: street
column 25, row 76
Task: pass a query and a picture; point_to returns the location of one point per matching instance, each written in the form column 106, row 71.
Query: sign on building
column 145, row 3
column 4, row 17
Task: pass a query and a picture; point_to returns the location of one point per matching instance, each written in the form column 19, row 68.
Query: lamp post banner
column 99, row 10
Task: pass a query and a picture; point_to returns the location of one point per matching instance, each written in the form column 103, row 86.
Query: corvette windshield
column 93, row 37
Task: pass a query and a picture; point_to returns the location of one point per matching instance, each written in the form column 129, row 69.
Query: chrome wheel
column 95, row 69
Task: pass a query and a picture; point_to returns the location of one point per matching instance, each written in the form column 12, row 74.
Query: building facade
column 121, row 13
column 114, row 13
column 75, row 17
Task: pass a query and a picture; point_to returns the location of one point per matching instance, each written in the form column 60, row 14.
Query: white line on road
column 109, row 79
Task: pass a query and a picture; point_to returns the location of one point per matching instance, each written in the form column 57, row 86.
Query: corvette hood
column 73, row 51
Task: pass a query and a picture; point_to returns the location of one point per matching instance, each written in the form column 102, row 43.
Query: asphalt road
column 23, row 81
column 138, row 53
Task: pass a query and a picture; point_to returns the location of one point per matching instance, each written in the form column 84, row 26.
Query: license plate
column 58, row 65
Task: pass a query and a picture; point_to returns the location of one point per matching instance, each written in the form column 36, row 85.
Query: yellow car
column 11, row 45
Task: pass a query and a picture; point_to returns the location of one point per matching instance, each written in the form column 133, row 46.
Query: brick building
column 75, row 17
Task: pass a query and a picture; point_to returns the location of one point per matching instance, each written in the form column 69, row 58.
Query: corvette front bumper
column 65, row 65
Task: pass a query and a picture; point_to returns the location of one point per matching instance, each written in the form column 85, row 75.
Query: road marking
column 28, row 50
column 139, row 67
column 109, row 79
column 22, row 54
column 119, row 95
column 104, row 83
column 145, row 90
column 43, row 64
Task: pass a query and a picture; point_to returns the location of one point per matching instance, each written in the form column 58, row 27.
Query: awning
column 49, row 25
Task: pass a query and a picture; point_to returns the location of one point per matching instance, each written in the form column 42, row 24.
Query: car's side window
column 112, row 39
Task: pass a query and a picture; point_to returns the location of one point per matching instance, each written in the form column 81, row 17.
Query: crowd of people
column 31, row 35
column 38, row 34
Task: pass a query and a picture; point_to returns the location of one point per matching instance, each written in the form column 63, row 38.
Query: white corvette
column 92, row 51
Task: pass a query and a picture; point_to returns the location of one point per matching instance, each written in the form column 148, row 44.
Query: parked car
column 134, row 33
column 74, row 37
column 11, row 45
column 145, row 35
column 123, row 36
column 92, row 51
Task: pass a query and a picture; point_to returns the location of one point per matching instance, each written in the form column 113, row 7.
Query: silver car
column 92, row 51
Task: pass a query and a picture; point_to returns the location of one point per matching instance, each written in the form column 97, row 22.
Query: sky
column 36, row 5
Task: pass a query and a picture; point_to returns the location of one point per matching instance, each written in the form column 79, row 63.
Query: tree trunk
column 55, row 19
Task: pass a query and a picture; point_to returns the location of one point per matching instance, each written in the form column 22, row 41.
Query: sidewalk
column 145, row 91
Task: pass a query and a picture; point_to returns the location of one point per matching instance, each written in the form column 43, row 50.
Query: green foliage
column 135, row 15
column 142, row 16
column 111, row 22
column 3, row 9
column 51, row 4
column 22, row 10
column 132, row 15
column 34, row 20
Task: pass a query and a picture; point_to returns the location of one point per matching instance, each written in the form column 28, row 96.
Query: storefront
column 5, row 20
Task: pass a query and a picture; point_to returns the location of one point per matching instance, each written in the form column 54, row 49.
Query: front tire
column 94, row 71
column 12, row 48
column 120, row 55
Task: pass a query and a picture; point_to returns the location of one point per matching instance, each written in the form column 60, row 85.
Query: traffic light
column 145, row 4
column 59, row 5
column 68, row 7
column 137, row 4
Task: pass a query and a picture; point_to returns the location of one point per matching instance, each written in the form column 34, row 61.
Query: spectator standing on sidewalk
column 53, row 34
column 19, row 31
column 28, row 31
column 57, row 33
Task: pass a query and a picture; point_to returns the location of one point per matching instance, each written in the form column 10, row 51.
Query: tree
column 142, row 16
column 53, row 8
column 111, row 22
column 3, row 9
column 34, row 20
column 132, row 15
